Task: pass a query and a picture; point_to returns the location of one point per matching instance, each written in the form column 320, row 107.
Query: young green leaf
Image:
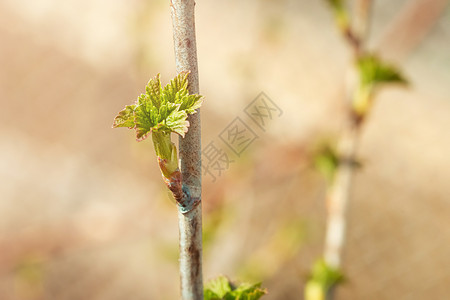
column 210, row 295
column 159, row 108
column 176, row 90
column 153, row 90
column 125, row 118
column 373, row 71
column 337, row 4
column 322, row 278
column 326, row 161
column 161, row 111
column 221, row 289
column 146, row 117
column 248, row 292
column 340, row 13
column 191, row 103
column 176, row 122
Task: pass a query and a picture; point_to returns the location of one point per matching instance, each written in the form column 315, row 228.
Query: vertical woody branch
column 361, row 17
column 405, row 32
column 369, row 73
column 190, row 222
column 339, row 191
column 338, row 195
column 338, row 198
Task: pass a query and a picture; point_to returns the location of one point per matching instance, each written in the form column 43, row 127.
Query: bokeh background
column 84, row 213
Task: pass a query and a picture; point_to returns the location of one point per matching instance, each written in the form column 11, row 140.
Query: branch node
column 188, row 202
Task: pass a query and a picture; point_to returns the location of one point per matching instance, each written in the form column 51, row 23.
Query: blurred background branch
column 412, row 25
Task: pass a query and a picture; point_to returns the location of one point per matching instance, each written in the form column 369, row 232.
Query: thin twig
column 338, row 194
column 402, row 36
column 410, row 27
column 338, row 197
column 190, row 222
column 361, row 16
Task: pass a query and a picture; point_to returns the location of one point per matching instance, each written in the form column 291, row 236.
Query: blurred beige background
column 84, row 213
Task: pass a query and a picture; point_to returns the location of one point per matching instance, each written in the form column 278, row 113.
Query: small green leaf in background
column 374, row 71
column 337, row 4
column 326, row 161
column 323, row 277
column 340, row 13
column 29, row 277
column 222, row 289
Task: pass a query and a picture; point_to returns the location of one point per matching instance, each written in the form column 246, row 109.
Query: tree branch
column 410, row 27
column 190, row 222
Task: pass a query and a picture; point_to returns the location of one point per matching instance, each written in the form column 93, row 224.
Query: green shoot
column 222, row 289
column 326, row 161
column 162, row 111
column 340, row 14
column 373, row 72
column 322, row 279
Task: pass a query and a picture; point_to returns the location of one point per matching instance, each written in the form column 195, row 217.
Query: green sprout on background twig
column 342, row 20
column 222, row 289
column 340, row 14
column 323, row 278
column 326, row 161
column 339, row 162
column 161, row 112
column 373, row 72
